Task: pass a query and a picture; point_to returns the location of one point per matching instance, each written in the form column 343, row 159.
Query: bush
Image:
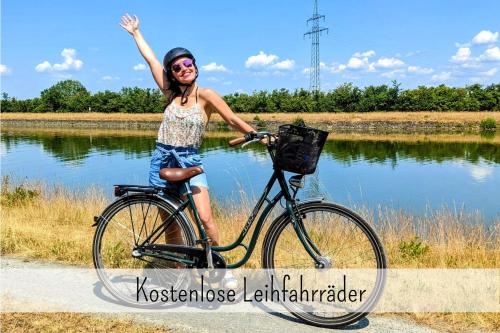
column 413, row 248
column 488, row 124
column 259, row 122
column 299, row 122
column 19, row 196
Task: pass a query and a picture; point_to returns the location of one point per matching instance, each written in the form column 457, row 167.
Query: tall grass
column 55, row 224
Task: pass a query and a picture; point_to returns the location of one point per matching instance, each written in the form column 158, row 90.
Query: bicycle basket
column 298, row 148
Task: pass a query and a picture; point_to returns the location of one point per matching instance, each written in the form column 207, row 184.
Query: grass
column 419, row 117
column 55, row 225
column 21, row 322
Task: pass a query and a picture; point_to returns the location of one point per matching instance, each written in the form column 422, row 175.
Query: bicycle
column 135, row 231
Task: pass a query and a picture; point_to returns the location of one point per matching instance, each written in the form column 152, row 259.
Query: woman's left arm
column 217, row 104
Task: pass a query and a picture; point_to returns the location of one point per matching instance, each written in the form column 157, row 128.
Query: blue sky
column 250, row 45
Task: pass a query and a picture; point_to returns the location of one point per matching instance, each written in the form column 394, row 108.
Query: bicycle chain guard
column 196, row 254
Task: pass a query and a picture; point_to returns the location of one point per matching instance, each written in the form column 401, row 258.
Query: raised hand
column 130, row 24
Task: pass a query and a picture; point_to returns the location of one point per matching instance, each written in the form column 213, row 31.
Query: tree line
column 72, row 96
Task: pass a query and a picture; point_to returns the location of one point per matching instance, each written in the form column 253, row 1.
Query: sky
column 246, row 46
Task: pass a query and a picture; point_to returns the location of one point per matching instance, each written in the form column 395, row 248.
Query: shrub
column 19, row 196
column 299, row 122
column 488, row 124
column 259, row 122
column 413, row 248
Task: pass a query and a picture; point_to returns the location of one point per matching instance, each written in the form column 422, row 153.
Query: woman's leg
column 202, row 201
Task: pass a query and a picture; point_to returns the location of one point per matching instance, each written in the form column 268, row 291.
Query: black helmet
column 175, row 53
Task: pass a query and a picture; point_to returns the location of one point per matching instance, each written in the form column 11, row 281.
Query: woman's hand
column 130, row 24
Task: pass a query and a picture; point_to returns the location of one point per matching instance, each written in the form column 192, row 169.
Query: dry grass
column 56, row 226
column 22, row 322
column 95, row 132
column 437, row 117
column 85, row 132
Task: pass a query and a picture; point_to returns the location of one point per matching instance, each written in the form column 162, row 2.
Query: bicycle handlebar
column 249, row 137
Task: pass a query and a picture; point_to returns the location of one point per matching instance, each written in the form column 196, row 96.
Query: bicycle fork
column 298, row 225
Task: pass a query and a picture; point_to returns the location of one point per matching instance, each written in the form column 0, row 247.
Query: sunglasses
column 187, row 63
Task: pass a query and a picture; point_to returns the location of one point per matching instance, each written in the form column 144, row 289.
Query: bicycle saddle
column 179, row 174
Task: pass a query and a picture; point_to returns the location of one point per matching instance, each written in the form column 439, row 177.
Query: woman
column 188, row 110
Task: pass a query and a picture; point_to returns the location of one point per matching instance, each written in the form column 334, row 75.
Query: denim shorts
column 165, row 156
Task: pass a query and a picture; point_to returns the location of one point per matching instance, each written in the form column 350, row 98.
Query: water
column 407, row 175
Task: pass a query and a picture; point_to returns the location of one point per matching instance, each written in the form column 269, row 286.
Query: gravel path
column 223, row 322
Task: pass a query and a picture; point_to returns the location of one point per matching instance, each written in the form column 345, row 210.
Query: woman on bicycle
column 188, row 110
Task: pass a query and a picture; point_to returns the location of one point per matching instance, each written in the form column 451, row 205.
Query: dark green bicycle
column 147, row 227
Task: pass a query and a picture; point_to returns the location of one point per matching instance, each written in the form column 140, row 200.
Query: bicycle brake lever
column 249, row 142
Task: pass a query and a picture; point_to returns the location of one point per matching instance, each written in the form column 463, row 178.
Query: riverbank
column 492, row 138
column 371, row 122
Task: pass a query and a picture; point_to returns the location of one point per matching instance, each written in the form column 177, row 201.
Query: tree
column 66, row 96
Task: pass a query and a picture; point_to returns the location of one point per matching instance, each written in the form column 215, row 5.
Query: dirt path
column 85, row 288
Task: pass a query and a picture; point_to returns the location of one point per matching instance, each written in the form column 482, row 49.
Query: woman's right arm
column 131, row 25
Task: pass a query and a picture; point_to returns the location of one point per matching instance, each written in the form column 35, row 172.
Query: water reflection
column 408, row 172
column 79, row 147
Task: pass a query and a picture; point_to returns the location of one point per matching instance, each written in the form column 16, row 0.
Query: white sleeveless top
column 182, row 126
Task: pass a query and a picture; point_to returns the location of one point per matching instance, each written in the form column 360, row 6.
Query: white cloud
column 389, row 63
column 485, row 37
column 260, row 60
column 285, row 64
column 213, row 67
column 413, row 53
column 366, row 54
column 140, row 67
column 109, row 78
column 357, row 63
column 490, row 72
column 491, row 54
column 4, row 69
column 360, row 60
column 481, row 172
column 394, row 73
column 69, row 63
column 44, row 66
column 419, row 70
column 462, row 55
column 212, row 79
column 443, row 76
column 337, row 68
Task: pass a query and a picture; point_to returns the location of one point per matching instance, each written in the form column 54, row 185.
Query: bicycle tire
column 283, row 249
column 115, row 238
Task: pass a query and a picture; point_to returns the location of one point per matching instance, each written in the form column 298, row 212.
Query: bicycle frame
column 291, row 210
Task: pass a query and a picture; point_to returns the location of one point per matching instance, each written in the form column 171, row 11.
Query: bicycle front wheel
column 124, row 225
column 340, row 239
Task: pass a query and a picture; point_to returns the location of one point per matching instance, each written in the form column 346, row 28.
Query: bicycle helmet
column 171, row 56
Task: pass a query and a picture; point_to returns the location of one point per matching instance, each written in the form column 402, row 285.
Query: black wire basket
column 298, row 148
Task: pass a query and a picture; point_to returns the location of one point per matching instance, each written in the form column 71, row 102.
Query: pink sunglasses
column 187, row 63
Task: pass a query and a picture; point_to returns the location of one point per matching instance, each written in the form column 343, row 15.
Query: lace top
column 182, row 126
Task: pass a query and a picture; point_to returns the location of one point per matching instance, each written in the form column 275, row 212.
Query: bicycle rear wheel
column 127, row 223
column 344, row 241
